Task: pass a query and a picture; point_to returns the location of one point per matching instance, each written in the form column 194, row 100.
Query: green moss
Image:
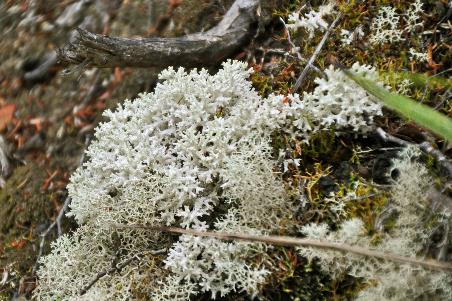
column 322, row 145
column 261, row 83
column 367, row 205
column 301, row 280
column 297, row 279
column 288, row 7
column 22, row 210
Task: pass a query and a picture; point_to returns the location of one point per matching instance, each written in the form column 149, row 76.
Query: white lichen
column 348, row 37
column 385, row 27
column 340, row 103
column 413, row 16
column 418, row 56
column 311, row 21
column 404, row 86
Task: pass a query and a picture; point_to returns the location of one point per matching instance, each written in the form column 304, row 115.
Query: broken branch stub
column 193, row 50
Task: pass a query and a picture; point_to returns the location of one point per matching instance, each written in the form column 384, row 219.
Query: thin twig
column 303, row 242
column 295, row 49
column 439, row 156
column 118, row 268
column 114, row 268
column 389, row 138
column 315, row 54
column 61, row 214
column 57, row 223
column 424, row 146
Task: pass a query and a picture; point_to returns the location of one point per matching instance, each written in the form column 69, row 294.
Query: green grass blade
column 422, row 80
column 421, row 114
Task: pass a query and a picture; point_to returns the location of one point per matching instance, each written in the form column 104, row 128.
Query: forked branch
column 198, row 49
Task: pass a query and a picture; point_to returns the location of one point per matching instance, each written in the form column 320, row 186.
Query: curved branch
column 199, row 49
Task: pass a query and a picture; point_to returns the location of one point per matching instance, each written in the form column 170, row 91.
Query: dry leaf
column 6, row 115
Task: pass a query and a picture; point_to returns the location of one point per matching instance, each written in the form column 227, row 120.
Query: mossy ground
column 20, row 210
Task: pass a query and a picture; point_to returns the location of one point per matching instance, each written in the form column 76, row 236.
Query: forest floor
column 47, row 121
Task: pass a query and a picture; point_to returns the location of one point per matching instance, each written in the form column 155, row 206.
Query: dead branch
column 303, row 242
column 424, row 146
column 199, row 49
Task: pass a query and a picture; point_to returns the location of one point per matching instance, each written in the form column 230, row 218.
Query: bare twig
column 114, row 268
column 4, row 154
column 424, row 146
column 295, row 49
column 439, row 156
column 389, row 138
column 57, row 223
column 303, row 242
column 61, row 214
column 315, row 54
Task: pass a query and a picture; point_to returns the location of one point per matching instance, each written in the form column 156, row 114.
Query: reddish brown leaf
column 18, row 244
column 6, row 115
column 118, row 75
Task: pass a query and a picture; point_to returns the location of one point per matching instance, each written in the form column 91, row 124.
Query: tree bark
column 198, row 49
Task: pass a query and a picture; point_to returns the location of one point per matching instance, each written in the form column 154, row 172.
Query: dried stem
column 57, row 223
column 303, row 242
